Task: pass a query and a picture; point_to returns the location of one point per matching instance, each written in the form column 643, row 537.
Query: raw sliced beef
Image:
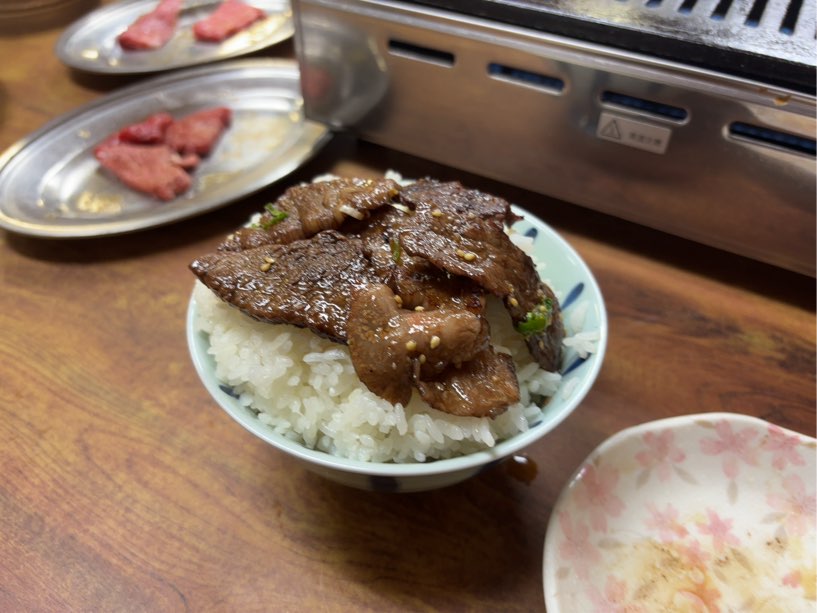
column 152, row 155
column 198, row 132
column 228, row 19
column 150, row 131
column 152, row 30
column 153, row 169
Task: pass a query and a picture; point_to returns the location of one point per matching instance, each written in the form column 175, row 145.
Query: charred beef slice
column 391, row 346
column 308, row 283
column 304, row 210
column 458, row 372
column 403, row 286
column 485, row 385
column 461, row 231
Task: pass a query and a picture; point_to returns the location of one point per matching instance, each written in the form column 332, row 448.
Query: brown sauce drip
column 522, row 468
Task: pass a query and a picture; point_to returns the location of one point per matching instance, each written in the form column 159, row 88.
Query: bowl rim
column 503, row 449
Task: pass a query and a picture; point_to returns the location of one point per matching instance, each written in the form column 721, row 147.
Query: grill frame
column 703, row 37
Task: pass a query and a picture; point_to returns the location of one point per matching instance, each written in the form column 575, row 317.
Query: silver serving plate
column 90, row 43
column 51, row 185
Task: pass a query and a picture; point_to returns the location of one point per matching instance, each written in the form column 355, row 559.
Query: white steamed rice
column 305, row 388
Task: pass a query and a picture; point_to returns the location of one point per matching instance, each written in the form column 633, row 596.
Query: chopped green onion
column 275, row 216
column 396, row 251
column 537, row 320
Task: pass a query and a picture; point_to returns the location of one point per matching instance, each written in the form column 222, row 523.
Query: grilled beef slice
column 485, row 385
column 404, row 286
column 415, row 281
column 462, row 232
column 304, row 210
column 392, row 347
column 308, row 283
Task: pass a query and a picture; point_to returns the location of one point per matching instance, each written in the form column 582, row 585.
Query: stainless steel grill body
column 715, row 157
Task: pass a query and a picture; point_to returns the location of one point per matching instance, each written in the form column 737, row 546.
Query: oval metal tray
column 51, row 184
column 90, row 43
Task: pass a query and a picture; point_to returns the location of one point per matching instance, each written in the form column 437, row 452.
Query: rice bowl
column 300, row 393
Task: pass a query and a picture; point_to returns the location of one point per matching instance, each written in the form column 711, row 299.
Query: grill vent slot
column 756, row 14
column 791, row 16
column 528, row 78
column 687, row 6
column 423, row 54
column 767, row 136
column 650, row 107
column 721, row 9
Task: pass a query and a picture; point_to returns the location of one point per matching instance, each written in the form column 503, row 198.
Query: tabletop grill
column 768, row 39
column 695, row 117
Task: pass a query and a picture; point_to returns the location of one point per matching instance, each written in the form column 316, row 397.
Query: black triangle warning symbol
column 611, row 130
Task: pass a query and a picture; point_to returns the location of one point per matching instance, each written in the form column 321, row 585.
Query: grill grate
column 772, row 41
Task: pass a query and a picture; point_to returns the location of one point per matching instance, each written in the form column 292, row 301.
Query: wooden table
column 125, row 488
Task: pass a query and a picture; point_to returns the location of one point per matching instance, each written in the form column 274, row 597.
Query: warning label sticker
column 633, row 133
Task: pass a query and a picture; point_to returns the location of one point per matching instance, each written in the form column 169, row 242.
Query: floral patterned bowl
column 710, row 512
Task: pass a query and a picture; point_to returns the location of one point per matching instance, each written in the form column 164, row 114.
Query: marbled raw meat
column 156, row 170
column 198, row 132
column 228, row 19
column 152, row 30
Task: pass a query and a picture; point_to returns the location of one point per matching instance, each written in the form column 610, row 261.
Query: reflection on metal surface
column 747, row 197
column 258, row 33
column 51, row 185
column 99, row 204
column 343, row 73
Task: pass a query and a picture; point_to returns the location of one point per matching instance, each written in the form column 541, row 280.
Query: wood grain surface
column 125, row 488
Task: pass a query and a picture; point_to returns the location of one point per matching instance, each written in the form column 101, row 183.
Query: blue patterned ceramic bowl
column 585, row 318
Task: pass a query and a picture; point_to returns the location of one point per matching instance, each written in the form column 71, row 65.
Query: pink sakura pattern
column 783, row 448
column 797, row 506
column 694, row 554
column 720, row 530
column 602, row 487
column 665, row 523
column 596, row 493
column 577, row 549
column 733, row 446
column 614, row 598
column 702, row 600
column 793, row 579
column 660, row 453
